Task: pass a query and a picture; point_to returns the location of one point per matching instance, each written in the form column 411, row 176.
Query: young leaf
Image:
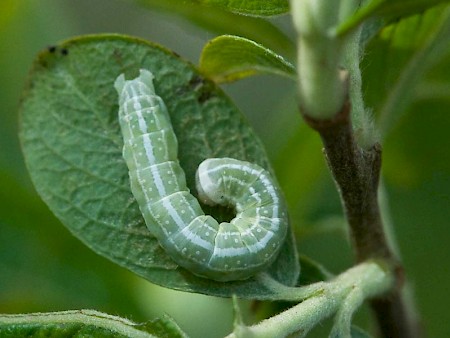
column 224, row 22
column 229, row 58
column 387, row 10
column 73, row 149
column 164, row 327
column 84, row 323
column 249, row 7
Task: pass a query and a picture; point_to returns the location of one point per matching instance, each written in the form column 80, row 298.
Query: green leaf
column 84, row 323
column 399, row 58
column 164, row 327
column 224, row 22
column 229, row 58
column 73, row 149
column 387, row 10
column 249, row 7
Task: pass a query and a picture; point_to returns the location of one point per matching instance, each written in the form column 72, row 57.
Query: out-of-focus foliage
column 387, row 11
column 407, row 50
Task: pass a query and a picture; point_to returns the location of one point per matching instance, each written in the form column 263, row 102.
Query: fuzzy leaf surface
column 84, row 323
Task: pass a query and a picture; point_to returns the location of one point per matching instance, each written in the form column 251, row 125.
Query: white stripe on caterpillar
column 223, row 252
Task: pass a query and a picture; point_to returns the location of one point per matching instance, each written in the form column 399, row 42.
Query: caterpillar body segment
column 224, row 252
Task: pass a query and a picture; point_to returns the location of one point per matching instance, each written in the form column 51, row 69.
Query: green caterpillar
column 195, row 241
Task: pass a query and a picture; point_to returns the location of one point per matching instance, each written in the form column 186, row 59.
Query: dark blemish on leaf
column 64, row 51
column 193, row 84
column 196, row 82
column 202, row 87
column 51, row 49
column 117, row 56
column 204, row 96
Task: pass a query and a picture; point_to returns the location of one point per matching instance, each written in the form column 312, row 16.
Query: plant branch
column 364, row 280
column 326, row 99
column 356, row 172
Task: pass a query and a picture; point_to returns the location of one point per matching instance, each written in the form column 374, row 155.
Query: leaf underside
column 73, row 149
column 85, row 323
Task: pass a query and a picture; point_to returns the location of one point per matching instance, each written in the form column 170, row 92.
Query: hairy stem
column 319, row 56
column 366, row 280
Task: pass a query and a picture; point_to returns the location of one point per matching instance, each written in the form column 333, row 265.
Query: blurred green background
column 44, row 268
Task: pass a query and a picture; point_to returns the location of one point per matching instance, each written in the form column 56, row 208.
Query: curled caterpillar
column 227, row 251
